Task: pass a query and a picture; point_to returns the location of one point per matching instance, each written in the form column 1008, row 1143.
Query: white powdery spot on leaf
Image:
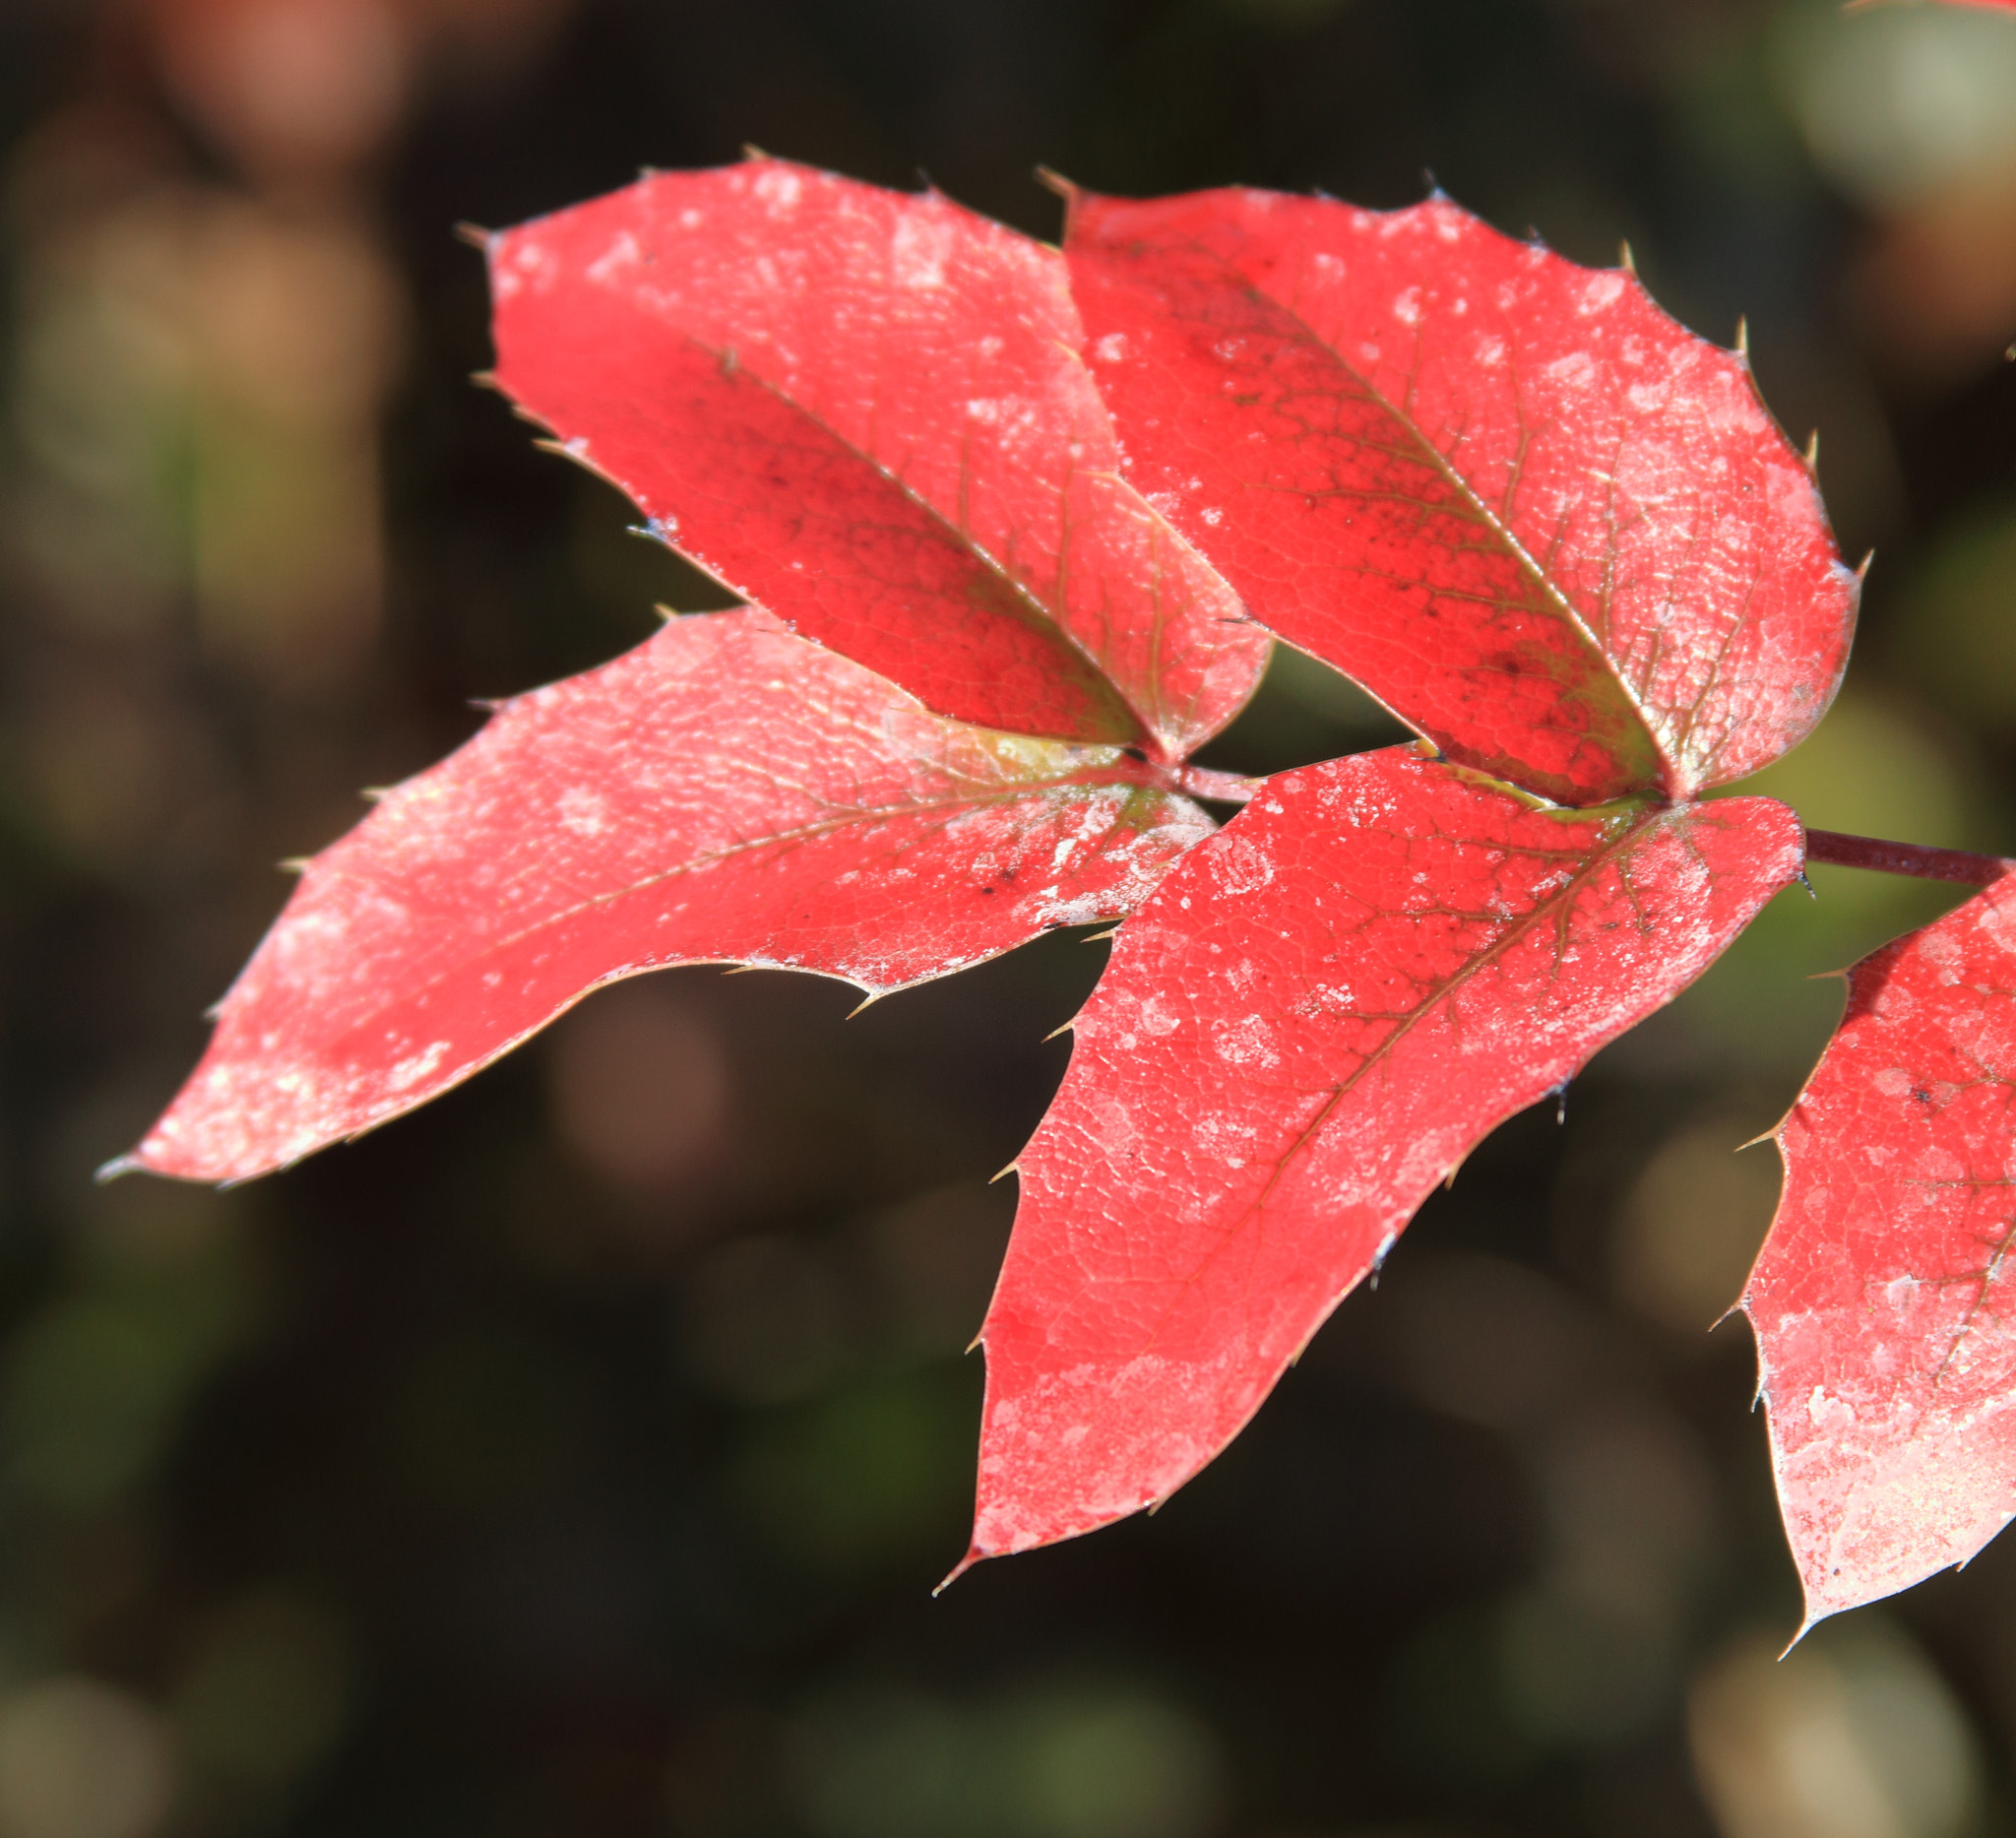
column 920, row 251
column 1246, row 1042
column 1241, row 867
column 778, row 186
column 582, row 812
column 622, row 254
column 1602, row 292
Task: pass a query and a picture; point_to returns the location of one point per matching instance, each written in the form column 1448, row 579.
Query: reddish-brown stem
column 1930, row 865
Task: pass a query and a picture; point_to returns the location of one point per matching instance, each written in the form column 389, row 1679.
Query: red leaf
column 725, row 793
column 1309, row 1025
column 866, row 412
column 1543, row 522
column 1881, row 1303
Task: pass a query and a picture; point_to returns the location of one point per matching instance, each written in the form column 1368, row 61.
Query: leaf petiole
column 1931, row 864
column 1225, row 788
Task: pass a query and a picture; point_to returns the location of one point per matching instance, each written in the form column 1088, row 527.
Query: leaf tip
column 1814, row 1617
column 973, row 1556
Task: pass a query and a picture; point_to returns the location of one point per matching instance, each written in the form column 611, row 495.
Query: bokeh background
column 574, row 1459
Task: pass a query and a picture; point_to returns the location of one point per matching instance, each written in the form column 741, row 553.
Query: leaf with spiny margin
column 866, row 410
column 1545, row 524
column 1312, row 1022
column 724, row 792
column 1884, row 1302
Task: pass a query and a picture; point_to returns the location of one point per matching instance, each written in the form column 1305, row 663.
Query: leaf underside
column 724, row 792
column 1882, row 1299
column 1349, row 986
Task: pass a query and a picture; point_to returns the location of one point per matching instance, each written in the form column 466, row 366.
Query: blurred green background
column 574, row 1459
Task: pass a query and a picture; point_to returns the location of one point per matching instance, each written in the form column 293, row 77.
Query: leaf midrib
column 1519, row 928
column 1526, row 561
column 1032, row 609
column 946, row 807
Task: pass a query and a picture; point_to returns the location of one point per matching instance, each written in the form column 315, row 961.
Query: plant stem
column 1930, row 865
column 1228, row 787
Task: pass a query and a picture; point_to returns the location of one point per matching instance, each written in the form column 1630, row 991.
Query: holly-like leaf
column 1312, row 1022
column 1545, row 524
column 724, row 792
column 1882, row 1299
column 866, row 410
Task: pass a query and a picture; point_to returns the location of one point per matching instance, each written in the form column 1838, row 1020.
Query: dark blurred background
column 574, row 1459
